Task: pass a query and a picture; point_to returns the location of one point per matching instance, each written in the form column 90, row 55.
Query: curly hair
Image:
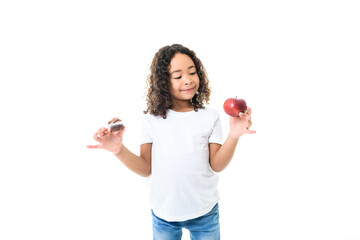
column 158, row 98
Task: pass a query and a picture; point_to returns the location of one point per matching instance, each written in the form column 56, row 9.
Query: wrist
column 234, row 137
column 118, row 151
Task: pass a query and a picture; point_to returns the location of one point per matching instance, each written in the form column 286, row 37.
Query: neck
column 182, row 106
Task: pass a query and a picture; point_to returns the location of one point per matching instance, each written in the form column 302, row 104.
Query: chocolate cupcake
column 115, row 125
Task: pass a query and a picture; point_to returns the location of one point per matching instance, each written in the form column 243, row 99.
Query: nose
column 188, row 80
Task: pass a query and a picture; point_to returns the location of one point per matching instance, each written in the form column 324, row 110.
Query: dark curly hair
column 159, row 98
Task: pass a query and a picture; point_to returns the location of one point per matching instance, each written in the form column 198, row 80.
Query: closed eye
column 193, row 73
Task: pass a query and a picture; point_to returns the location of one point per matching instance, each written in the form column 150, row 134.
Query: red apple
column 233, row 106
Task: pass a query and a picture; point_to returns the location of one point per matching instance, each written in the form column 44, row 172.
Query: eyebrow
column 193, row 66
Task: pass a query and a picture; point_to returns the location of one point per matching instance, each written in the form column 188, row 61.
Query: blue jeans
column 204, row 227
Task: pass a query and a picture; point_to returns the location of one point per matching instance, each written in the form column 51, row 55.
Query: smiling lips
column 188, row 90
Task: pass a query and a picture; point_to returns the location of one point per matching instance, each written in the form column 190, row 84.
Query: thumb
column 97, row 146
column 250, row 131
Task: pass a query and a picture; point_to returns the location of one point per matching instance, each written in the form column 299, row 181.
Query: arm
column 221, row 155
column 112, row 142
column 138, row 164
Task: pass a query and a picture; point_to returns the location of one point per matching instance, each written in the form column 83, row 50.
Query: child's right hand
column 110, row 141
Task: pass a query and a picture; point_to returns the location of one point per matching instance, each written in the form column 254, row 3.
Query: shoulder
column 149, row 118
column 208, row 115
column 209, row 111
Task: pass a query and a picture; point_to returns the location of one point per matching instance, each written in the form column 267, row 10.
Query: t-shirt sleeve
column 145, row 133
column 216, row 135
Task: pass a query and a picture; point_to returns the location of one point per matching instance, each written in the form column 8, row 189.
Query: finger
column 96, row 136
column 94, row 146
column 248, row 110
column 106, row 131
column 250, row 131
column 245, row 116
column 101, row 132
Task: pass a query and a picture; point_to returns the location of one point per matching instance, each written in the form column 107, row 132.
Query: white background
column 66, row 67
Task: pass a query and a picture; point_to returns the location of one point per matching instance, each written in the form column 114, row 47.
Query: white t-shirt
column 182, row 184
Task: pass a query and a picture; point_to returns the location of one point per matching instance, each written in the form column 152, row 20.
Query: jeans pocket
column 215, row 210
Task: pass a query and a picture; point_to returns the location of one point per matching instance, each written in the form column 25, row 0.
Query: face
column 184, row 80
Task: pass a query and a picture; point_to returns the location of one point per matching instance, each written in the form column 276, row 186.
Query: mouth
column 188, row 90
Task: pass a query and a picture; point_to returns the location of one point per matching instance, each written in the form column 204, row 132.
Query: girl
column 181, row 146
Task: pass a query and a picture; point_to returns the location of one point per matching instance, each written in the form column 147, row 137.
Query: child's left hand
column 240, row 125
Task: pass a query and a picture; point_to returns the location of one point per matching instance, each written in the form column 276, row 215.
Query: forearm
column 135, row 163
column 221, row 159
